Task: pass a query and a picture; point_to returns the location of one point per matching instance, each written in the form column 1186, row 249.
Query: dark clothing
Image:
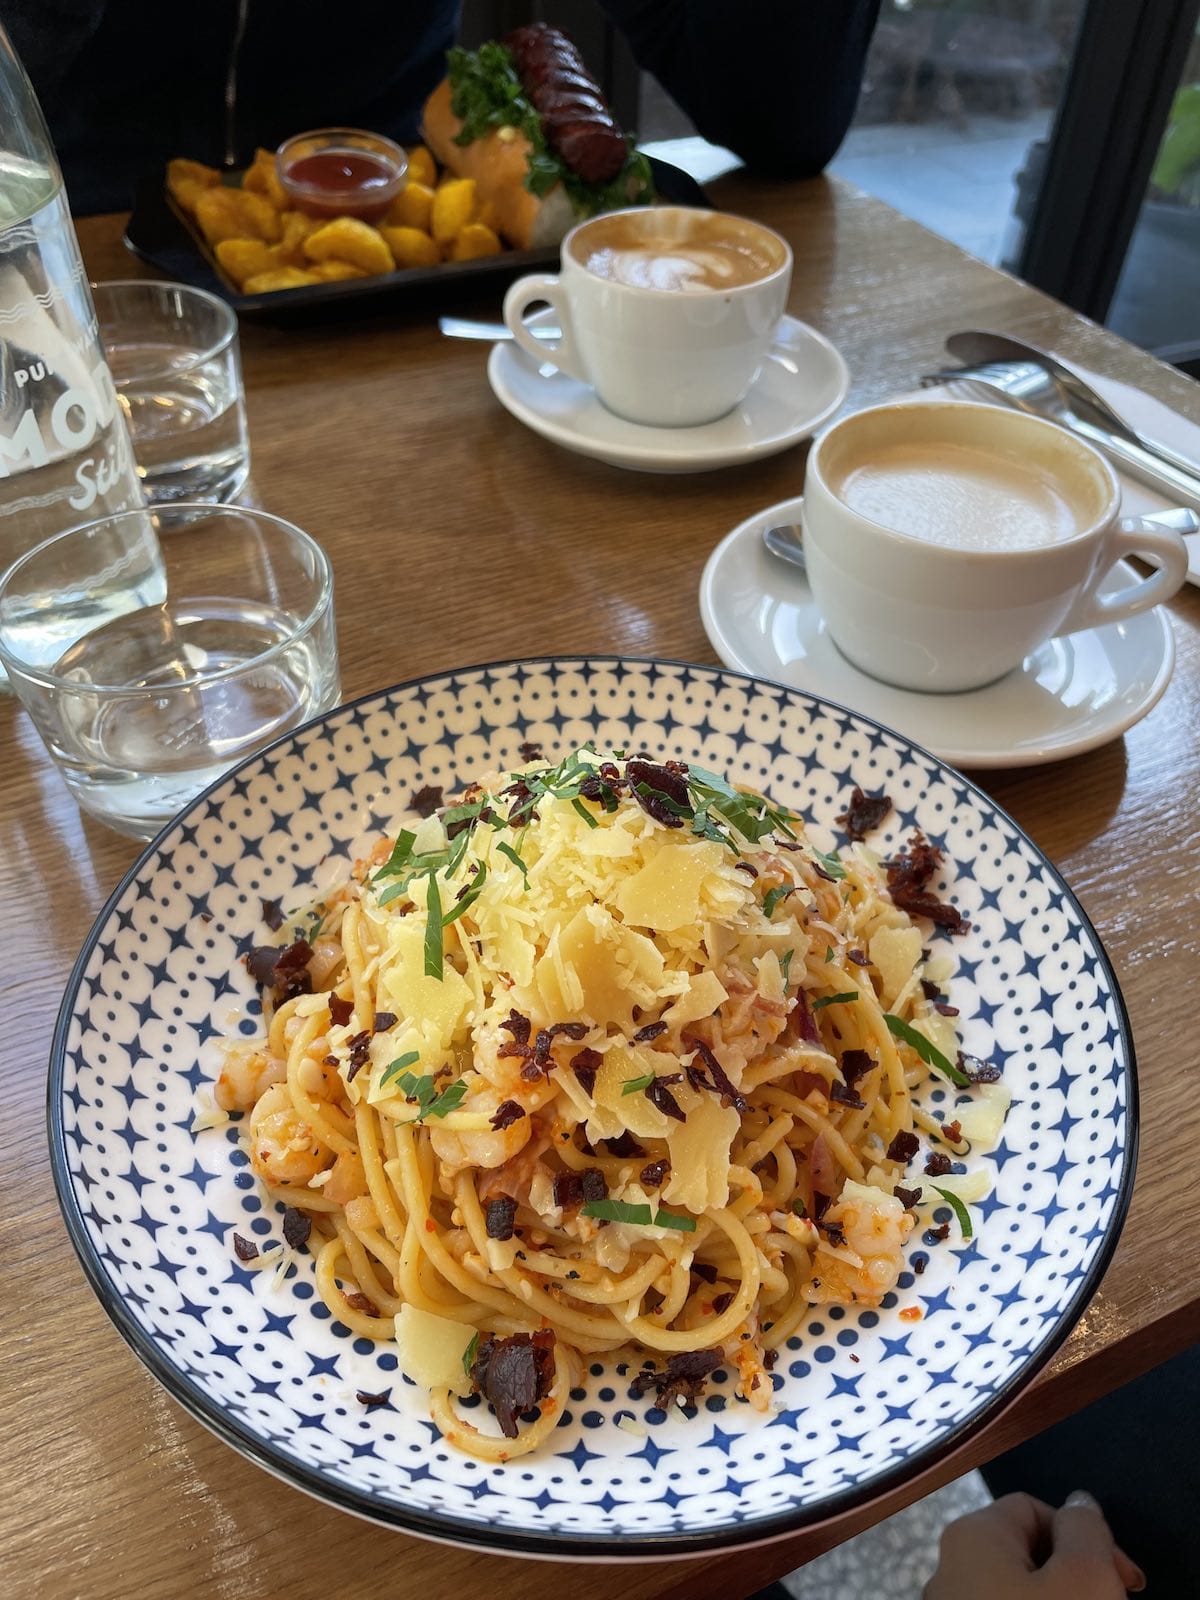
column 127, row 84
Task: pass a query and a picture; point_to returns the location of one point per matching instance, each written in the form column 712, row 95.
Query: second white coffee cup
column 944, row 542
column 650, row 323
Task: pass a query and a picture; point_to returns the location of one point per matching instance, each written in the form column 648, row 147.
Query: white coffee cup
column 945, row 541
column 665, row 356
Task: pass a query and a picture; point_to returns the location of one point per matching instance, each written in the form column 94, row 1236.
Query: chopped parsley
column 640, row 1216
column 470, row 1352
column 635, row 1085
column 928, row 1052
column 508, row 851
column 772, row 899
column 424, row 1092
column 846, row 998
column 408, row 1059
column 959, row 1210
column 831, row 863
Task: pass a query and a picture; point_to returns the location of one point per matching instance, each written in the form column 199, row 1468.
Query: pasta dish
column 603, row 1060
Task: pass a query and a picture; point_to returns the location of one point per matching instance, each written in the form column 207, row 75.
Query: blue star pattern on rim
column 862, row 1398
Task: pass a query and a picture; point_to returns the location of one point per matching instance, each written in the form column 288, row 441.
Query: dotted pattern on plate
column 859, row 1394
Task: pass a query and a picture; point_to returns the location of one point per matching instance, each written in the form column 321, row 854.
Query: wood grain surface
column 458, row 537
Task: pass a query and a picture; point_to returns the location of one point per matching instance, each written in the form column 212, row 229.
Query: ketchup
column 342, row 183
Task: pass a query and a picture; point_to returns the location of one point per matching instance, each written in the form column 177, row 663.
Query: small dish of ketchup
column 341, row 172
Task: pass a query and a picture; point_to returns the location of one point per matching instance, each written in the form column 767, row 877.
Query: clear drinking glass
column 155, row 649
column 174, row 356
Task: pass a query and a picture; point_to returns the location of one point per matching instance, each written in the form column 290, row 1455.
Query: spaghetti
column 604, row 1059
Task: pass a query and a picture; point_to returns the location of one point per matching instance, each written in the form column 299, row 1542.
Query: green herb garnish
column 785, row 966
column 641, row 1216
column 831, row 863
column 632, row 1085
column 829, row 952
column 846, row 998
column 799, row 1208
column 507, row 850
column 470, row 1352
column 425, row 1092
column 772, row 899
column 617, row 1211
column 578, row 805
column 466, row 900
column 434, row 953
column 928, row 1052
column 959, row 1210
column 408, row 1059
column 673, row 1219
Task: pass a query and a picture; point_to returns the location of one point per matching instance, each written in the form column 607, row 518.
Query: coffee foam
column 962, row 496
column 677, row 250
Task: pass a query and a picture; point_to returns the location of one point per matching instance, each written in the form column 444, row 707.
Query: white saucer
column 802, row 383
column 1069, row 696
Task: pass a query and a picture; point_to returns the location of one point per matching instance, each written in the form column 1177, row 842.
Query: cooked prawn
column 283, row 1148
column 867, row 1267
column 248, row 1070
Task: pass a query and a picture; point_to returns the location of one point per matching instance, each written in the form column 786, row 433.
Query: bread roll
column 498, row 162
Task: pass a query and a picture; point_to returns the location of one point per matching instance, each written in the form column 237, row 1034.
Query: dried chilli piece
column 834, row 1232
column 659, row 1095
column 907, row 1197
column 944, row 1010
column 858, row 957
column 520, row 1027
column 593, row 1184
column 360, row 1052
column 684, row 1378
column 383, row 1021
column 855, row 1065
column 340, row 1011
column 359, row 1302
column 285, row 972
column 624, row 1146
column 802, row 1020
column 952, row 1131
column 864, row 812
column 568, row 1190
column 506, row 1113
column 937, row 1164
column 908, row 875
column 942, row 1231
column 978, row 1071
column 371, row 1401
column 426, row 799
column 244, row 1249
column 845, row 1096
column 653, row 1174
column 722, row 1301
column 666, row 791
column 903, row 1147
column 500, row 1216
column 747, row 867
column 585, row 1064
column 652, row 1030
column 701, row 1269
column 730, row 1096
column 297, row 1225
column 821, row 1204
column 919, row 1261
column 514, row 1374
column 529, row 751
column 272, row 915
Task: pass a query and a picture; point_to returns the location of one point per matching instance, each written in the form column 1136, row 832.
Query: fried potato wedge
column 412, row 207
column 411, row 248
column 348, row 239
column 453, row 207
column 475, row 241
column 234, row 214
column 422, row 168
column 262, row 177
column 278, row 278
column 245, row 258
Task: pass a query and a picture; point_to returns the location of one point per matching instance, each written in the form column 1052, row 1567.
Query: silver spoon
column 787, row 542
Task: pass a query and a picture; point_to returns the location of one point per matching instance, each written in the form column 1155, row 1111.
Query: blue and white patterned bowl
column 863, row 1399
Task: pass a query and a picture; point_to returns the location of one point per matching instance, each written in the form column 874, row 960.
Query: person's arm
column 775, row 80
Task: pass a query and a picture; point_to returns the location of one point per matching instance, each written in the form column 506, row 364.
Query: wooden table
column 459, row 537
